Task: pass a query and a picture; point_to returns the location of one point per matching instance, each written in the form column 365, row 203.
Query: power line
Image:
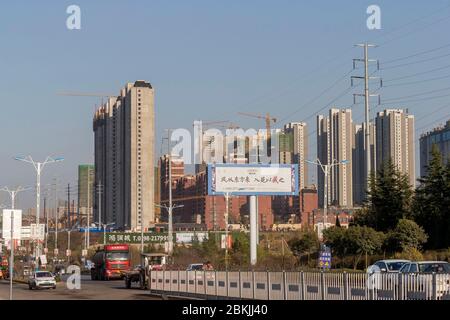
column 416, row 82
column 420, row 29
column 318, row 96
column 418, row 94
column 321, row 66
column 417, row 74
column 416, row 62
column 417, row 54
column 415, row 100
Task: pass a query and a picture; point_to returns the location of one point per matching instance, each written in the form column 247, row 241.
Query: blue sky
column 206, row 59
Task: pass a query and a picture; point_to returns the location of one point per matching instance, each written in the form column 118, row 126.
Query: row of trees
column 391, row 199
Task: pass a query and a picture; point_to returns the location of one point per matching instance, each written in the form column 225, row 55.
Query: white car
column 42, row 280
column 387, row 266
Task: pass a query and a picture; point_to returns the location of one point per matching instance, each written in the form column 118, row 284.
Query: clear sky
column 206, row 60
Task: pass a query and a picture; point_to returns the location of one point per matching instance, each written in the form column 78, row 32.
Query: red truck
column 110, row 262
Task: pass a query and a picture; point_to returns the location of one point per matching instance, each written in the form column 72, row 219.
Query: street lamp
column 69, row 230
column 38, row 166
column 326, row 168
column 13, row 194
column 104, row 226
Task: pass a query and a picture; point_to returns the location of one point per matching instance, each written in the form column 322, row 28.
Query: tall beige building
column 395, row 141
column 299, row 152
column 335, row 141
column 124, row 130
column 359, row 163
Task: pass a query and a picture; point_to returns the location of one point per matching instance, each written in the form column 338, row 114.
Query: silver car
column 42, row 280
column 389, row 265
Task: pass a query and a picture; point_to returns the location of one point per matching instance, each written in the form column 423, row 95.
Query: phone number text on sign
column 112, row 238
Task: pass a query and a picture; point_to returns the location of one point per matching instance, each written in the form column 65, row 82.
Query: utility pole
column 170, row 231
column 56, row 217
column 326, row 168
column 227, row 197
column 100, row 192
column 46, row 222
column 366, row 61
column 170, row 207
column 68, row 207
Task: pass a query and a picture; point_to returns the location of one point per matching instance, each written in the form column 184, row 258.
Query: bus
column 110, row 262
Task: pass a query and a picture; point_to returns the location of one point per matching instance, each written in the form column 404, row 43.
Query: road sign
column 37, row 231
column 17, row 224
column 325, row 258
column 68, row 253
column 253, row 180
column 226, row 241
column 55, row 252
column 84, row 252
column 43, row 259
column 45, row 250
column 26, row 233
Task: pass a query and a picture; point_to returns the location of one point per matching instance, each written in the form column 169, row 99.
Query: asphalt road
column 90, row 290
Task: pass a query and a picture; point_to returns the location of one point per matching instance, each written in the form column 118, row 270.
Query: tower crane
column 268, row 119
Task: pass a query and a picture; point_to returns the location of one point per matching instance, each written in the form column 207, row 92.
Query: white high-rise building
column 395, row 140
column 124, row 130
column 334, row 144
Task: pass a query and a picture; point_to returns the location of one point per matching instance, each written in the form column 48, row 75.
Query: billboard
column 135, row 238
column 188, row 237
column 253, row 180
column 16, row 224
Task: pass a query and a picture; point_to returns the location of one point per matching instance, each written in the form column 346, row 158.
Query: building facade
column 86, row 183
column 395, row 140
column 124, row 132
column 359, row 163
column 335, row 141
column 440, row 137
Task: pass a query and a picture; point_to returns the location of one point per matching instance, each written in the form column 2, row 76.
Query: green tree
column 389, row 199
column 363, row 241
column 240, row 251
column 338, row 222
column 431, row 202
column 335, row 238
column 307, row 243
column 406, row 235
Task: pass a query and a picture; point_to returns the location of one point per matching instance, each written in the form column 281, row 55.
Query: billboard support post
column 11, row 263
column 253, row 230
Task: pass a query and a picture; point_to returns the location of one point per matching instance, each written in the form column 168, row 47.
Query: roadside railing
column 300, row 285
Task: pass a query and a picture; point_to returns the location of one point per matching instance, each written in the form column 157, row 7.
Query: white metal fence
column 300, row 285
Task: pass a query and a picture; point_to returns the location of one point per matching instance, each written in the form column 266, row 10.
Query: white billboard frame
column 245, row 170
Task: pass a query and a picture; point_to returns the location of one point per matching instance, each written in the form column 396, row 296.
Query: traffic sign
column 55, row 252
column 68, row 253
column 45, row 250
column 84, row 252
column 37, row 231
column 16, row 224
column 325, row 258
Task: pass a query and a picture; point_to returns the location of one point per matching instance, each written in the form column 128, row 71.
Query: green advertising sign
column 135, row 238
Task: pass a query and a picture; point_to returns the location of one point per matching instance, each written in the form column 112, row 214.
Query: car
column 387, row 266
column 426, row 267
column 42, row 280
column 383, row 274
column 195, row 267
column 419, row 275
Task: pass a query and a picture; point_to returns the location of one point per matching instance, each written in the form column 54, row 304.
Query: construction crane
column 85, row 94
column 268, row 119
